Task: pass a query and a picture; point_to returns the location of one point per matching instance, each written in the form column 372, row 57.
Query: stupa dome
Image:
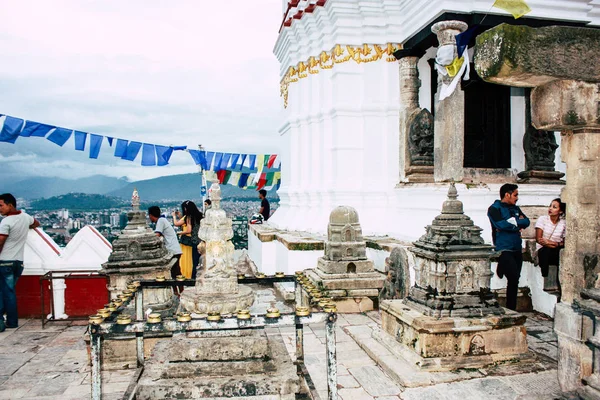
column 343, row 215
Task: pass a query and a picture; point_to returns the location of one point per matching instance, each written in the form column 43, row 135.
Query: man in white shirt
column 165, row 230
column 14, row 228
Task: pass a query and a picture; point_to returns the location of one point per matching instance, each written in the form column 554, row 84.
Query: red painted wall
column 85, row 296
column 82, row 296
column 28, row 296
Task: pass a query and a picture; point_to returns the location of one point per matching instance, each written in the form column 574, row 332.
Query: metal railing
column 139, row 327
column 50, row 277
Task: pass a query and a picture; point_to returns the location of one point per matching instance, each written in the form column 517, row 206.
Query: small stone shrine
column 217, row 364
column 139, row 254
column 450, row 318
column 344, row 272
column 217, row 288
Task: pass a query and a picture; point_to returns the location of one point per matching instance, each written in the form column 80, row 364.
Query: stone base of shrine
column 219, row 365
column 450, row 343
column 351, row 293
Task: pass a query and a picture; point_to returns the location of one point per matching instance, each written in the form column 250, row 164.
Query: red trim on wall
column 47, row 241
column 106, row 242
column 287, row 20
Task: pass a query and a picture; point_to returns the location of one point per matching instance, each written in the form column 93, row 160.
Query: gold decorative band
column 339, row 54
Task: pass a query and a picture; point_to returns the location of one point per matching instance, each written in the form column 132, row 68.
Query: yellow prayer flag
column 517, row 8
column 260, row 162
column 234, row 179
column 455, row 66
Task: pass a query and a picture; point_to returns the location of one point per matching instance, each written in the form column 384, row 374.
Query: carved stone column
column 416, row 125
column 449, row 137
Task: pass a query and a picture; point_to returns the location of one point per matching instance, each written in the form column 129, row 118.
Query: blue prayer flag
column 243, row 180
column 209, row 159
column 60, row 136
column 217, row 165
column 121, row 148
column 110, row 140
column 80, row 138
column 179, row 147
column 163, row 154
column 203, row 191
column 225, row 160
column 234, row 160
column 252, row 158
column 95, row 144
column 203, row 162
column 148, row 155
column 36, row 129
column 11, row 129
column 463, row 39
column 133, row 148
column 199, row 157
column 242, row 161
column 196, row 156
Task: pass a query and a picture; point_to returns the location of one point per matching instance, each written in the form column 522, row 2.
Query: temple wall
column 340, row 139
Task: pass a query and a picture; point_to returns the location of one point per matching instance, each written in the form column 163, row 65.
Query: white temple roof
column 87, row 250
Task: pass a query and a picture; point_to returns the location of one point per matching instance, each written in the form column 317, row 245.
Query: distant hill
column 175, row 187
column 78, row 202
column 181, row 187
column 39, row 187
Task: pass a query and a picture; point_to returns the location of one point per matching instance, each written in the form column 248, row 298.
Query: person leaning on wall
column 550, row 232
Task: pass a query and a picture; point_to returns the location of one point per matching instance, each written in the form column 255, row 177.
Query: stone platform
column 214, row 365
column 444, row 344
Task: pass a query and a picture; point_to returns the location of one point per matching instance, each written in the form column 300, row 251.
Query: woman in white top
column 550, row 235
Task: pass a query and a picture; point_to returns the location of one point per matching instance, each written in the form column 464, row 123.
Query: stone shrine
column 217, row 289
column 451, row 319
column 344, row 272
column 139, row 254
column 224, row 363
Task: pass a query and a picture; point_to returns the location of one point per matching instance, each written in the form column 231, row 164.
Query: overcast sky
column 163, row 72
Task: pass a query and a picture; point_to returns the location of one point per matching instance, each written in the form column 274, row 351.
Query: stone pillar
column 416, row 126
column 58, row 296
column 579, row 260
column 449, row 138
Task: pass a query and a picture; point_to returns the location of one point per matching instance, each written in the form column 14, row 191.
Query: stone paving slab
column 542, row 385
column 374, row 381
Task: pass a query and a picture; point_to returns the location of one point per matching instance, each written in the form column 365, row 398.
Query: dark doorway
column 487, row 123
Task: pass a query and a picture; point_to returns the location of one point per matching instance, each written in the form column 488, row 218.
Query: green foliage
column 78, row 202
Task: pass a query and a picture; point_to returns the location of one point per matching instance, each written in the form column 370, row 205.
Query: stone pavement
column 52, row 364
column 359, row 377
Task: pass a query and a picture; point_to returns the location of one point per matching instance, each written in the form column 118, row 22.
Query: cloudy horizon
column 169, row 73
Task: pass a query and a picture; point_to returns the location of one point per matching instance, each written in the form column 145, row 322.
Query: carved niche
column 397, row 282
column 420, row 138
column 540, row 149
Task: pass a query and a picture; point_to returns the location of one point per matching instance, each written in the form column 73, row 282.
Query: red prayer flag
column 272, row 159
column 262, row 181
column 221, row 175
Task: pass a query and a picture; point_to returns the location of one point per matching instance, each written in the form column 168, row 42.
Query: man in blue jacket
column 507, row 222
